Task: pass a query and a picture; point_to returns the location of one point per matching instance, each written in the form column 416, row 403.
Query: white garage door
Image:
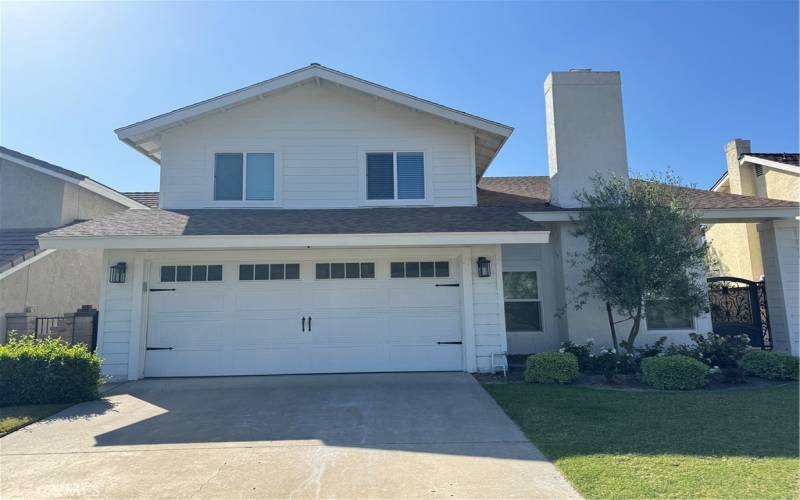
column 321, row 316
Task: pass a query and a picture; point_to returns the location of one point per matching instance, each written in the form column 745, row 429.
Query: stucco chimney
column 742, row 178
column 585, row 131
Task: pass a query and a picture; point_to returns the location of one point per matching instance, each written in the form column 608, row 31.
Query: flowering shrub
column 582, row 352
column 723, row 351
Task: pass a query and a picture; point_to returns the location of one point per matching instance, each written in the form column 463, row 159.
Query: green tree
column 644, row 243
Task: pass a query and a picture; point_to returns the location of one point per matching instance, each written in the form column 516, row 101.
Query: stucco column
column 779, row 248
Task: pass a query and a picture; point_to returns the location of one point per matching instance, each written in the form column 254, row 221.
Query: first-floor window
column 661, row 315
column 396, row 176
column 523, row 308
column 244, row 176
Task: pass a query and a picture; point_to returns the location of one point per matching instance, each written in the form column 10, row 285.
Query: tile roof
column 533, row 193
column 146, row 198
column 787, row 158
column 17, row 246
column 212, row 222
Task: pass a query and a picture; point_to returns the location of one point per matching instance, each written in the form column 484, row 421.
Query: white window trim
column 362, row 176
column 277, row 183
column 538, row 272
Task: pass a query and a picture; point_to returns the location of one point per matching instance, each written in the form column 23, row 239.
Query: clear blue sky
column 695, row 75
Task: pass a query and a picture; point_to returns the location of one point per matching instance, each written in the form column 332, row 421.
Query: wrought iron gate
column 740, row 306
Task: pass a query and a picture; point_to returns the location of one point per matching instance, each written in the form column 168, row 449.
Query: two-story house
column 36, row 197
column 317, row 222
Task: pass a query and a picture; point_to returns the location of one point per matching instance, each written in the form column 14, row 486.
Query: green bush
column 674, row 372
column 47, row 371
column 551, row 368
column 770, row 365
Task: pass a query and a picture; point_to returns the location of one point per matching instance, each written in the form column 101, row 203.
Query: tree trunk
column 637, row 321
column 613, row 327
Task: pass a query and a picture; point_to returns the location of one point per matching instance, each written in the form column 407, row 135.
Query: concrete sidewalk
column 352, row 436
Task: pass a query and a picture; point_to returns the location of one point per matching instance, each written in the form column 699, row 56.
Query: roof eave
column 228, row 242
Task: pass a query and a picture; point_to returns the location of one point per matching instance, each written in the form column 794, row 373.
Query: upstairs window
column 396, row 176
column 244, row 176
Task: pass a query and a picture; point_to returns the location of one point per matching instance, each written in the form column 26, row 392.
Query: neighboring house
column 317, row 222
column 36, row 197
column 735, row 249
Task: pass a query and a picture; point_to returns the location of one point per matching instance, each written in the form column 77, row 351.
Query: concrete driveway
column 345, row 436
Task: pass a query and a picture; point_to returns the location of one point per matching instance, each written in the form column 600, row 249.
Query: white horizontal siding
column 319, row 133
column 489, row 330
column 779, row 250
column 114, row 328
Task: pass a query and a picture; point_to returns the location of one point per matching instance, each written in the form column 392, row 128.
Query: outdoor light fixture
column 117, row 273
column 484, row 267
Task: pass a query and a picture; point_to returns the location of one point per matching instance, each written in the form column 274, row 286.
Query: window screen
column 380, row 176
column 260, row 176
column 410, row 176
column 228, row 175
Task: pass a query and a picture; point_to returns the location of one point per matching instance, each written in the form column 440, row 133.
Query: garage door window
column 422, row 269
column 187, row 273
column 345, row 270
column 522, row 304
column 263, row 272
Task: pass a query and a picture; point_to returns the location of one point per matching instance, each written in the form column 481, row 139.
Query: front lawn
column 14, row 417
column 735, row 443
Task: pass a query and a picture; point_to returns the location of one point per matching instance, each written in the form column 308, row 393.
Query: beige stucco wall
column 78, row 275
column 735, row 249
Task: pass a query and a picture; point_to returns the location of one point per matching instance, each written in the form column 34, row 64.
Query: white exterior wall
column 320, row 135
column 122, row 305
column 779, row 249
column 539, row 258
column 591, row 320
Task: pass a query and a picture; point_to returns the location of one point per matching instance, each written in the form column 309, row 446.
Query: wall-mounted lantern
column 117, row 273
column 484, row 267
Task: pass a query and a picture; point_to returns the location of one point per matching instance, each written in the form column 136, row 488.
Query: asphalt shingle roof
column 534, row 192
column 146, row 198
column 207, row 222
column 500, row 199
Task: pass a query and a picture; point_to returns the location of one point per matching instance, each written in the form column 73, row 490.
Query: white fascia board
column 131, row 134
column 86, row 183
column 295, row 241
column 112, row 195
column 730, row 215
column 719, row 182
column 25, row 263
column 770, row 163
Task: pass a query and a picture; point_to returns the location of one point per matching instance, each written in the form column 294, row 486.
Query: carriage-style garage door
column 321, row 316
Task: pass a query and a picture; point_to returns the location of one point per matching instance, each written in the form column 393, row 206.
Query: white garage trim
column 459, row 258
column 295, row 241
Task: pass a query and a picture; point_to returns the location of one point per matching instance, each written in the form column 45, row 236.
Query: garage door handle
column 309, row 323
column 451, row 343
column 159, row 348
column 447, row 284
column 162, row 289
column 304, row 323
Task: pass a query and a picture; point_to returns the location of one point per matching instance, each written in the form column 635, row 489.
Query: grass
column 16, row 417
column 736, row 443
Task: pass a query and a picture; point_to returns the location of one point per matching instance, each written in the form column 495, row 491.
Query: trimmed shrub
column 674, row 372
column 47, row 371
column 770, row 365
column 723, row 352
column 551, row 368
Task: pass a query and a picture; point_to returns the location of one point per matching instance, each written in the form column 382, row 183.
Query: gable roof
column 143, row 135
column 787, row 158
column 67, row 175
column 17, row 246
